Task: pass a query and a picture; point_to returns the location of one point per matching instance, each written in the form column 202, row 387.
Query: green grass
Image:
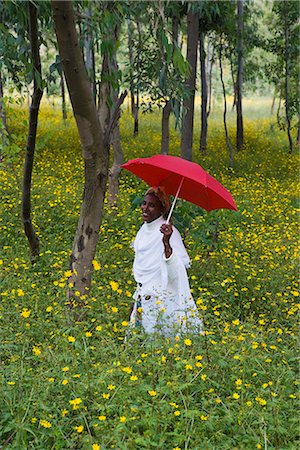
column 235, row 388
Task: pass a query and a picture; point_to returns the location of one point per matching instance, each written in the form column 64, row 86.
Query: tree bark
column 228, row 144
column 186, row 147
column 210, row 61
column 95, row 153
column 63, row 97
column 286, row 85
column 3, row 125
column 89, row 54
column 134, row 105
column 165, row 128
column 203, row 132
column 31, row 136
column 239, row 85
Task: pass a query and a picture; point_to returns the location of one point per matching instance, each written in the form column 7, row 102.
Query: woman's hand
column 167, row 230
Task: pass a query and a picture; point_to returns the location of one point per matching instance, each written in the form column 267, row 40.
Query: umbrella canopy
column 184, row 179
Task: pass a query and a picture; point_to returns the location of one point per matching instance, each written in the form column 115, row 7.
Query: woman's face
column 151, row 208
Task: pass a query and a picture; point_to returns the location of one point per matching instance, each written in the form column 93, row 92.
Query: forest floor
column 79, row 385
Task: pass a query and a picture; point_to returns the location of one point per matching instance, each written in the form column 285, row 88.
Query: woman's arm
column 167, row 230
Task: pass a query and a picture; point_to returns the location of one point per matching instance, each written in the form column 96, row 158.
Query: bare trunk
column 89, row 56
column 186, row 147
column 165, row 128
column 286, row 87
column 273, row 101
column 210, row 61
column 203, row 133
column 234, row 84
column 95, row 153
column 229, row 146
column 63, row 97
column 134, row 106
column 31, row 136
column 3, row 124
column 239, row 85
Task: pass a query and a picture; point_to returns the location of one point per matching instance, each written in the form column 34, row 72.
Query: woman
column 163, row 301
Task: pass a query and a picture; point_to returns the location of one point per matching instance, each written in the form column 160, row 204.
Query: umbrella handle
column 174, row 201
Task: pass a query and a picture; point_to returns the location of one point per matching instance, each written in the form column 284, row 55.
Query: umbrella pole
column 174, row 201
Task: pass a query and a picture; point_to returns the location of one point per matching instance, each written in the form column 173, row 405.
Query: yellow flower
column 106, row 396
column 45, row 423
column 79, row 429
column 34, row 420
column 188, row 342
column 95, row 447
column 114, row 285
column 122, row 419
column 102, row 418
column 96, row 265
column 202, row 417
column 261, row 401
column 127, row 369
column 75, row 402
column 235, row 395
column 36, row 350
column 98, row 328
column 11, row 383
column 25, row 313
column 64, row 382
column 114, row 309
column 111, row 387
column 71, row 339
column 177, row 413
column 65, row 369
column 49, row 309
column 68, row 273
column 188, row 367
column 133, row 377
column 88, row 334
column 152, row 393
column 64, row 412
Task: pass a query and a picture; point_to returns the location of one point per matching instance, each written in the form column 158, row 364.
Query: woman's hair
column 163, row 197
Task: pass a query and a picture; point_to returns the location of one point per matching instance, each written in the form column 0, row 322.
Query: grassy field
column 78, row 385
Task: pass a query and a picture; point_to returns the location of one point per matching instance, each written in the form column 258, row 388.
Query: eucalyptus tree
column 158, row 67
column 94, row 151
column 284, row 71
column 186, row 145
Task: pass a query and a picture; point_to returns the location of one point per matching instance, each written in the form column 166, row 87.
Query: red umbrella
column 183, row 179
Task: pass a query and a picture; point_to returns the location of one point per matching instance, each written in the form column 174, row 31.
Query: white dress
column 163, row 291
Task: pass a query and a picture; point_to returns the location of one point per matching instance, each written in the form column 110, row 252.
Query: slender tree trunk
column 186, row 147
column 165, row 128
column 3, row 125
column 94, row 151
column 286, row 86
column 115, row 170
column 134, row 106
column 31, row 136
column 239, row 90
column 63, row 97
column 89, row 54
column 203, row 132
column 234, row 84
column 228, row 144
column 273, row 101
column 210, row 61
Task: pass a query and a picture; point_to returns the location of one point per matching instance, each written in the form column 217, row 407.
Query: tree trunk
column 94, row 151
column 165, row 128
column 63, row 97
column 115, row 170
column 203, row 133
column 228, row 144
column 210, row 62
column 89, row 54
column 3, row 124
column 31, row 136
column 186, row 147
column 234, row 83
column 286, row 85
column 273, row 101
column 134, row 106
column 239, row 84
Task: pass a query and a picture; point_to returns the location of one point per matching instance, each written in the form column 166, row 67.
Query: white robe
column 163, row 290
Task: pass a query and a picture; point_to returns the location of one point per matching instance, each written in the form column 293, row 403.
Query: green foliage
column 69, row 385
